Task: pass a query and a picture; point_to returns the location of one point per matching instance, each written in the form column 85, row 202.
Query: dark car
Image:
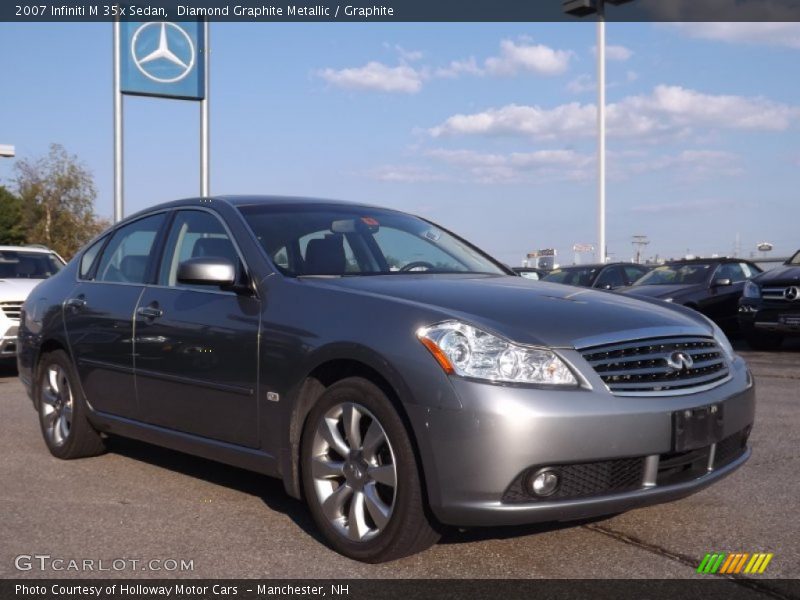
column 603, row 276
column 769, row 309
column 711, row 286
column 390, row 373
column 530, row 272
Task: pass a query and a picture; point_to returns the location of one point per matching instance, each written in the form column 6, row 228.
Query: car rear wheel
column 62, row 410
column 764, row 341
column 360, row 476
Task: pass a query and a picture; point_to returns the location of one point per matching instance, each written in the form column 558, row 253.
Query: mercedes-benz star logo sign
column 680, row 361
column 163, row 52
column 791, row 293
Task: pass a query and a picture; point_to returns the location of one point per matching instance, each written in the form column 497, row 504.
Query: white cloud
column 668, row 110
column 684, row 207
column 517, row 166
column 582, row 84
column 456, row 68
column 406, row 174
column 377, row 77
column 526, row 57
column 688, row 164
column 620, row 53
column 408, row 55
column 771, row 34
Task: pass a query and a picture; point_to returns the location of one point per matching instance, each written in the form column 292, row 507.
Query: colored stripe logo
column 734, row 563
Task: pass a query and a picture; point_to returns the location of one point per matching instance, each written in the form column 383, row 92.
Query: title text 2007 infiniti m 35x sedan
column 390, row 373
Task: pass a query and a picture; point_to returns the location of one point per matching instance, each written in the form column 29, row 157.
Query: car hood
column 660, row 291
column 784, row 274
column 17, row 290
column 531, row 312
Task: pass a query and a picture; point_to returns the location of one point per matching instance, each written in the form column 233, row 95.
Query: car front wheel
column 360, row 475
column 62, row 411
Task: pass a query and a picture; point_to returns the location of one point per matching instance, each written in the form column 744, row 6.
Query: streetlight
column 582, row 8
column 7, row 151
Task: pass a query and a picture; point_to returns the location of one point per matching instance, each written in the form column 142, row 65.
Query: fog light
column 543, row 483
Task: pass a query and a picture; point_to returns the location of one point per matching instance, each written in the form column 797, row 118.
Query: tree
column 12, row 229
column 58, row 194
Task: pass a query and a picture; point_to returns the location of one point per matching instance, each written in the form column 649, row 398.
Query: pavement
column 143, row 503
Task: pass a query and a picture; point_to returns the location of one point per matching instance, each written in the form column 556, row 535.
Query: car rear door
column 98, row 314
column 196, row 346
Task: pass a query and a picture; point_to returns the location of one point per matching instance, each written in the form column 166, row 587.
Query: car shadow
column 269, row 490
column 8, row 369
column 455, row 535
column 272, row 493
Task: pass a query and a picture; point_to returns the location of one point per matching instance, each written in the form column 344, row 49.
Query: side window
column 194, row 233
column 127, row 255
column 611, row 277
column 633, row 273
column 732, row 271
column 88, row 258
column 748, row 270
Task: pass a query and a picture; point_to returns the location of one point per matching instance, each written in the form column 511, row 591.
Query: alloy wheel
column 354, row 471
column 56, row 405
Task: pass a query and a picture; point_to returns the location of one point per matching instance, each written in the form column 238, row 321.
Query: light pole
column 582, row 8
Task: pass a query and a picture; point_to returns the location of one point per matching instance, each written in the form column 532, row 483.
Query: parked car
column 769, row 309
column 712, row 286
column 530, row 272
column 21, row 269
column 603, row 276
column 296, row 338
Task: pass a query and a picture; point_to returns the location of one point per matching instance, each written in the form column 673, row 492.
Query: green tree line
column 50, row 202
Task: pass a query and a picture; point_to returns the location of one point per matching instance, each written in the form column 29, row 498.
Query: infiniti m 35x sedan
column 390, row 373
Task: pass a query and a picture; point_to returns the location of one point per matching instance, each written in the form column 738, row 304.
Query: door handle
column 76, row 303
column 149, row 312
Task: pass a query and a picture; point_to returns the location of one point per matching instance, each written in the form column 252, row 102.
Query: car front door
column 98, row 314
column 196, row 346
column 722, row 305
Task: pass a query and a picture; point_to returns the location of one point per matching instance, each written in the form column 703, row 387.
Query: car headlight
column 723, row 341
column 751, row 290
column 470, row 352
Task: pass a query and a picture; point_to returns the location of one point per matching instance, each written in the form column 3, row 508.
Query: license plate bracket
column 695, row 428
column 792, row 320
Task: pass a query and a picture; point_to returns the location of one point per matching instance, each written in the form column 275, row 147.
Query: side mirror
column 205, row 270
column 721, row 282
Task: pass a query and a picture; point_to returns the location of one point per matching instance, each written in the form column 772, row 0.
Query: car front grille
column 641, row 366
column 777, row 293
column 11, row 309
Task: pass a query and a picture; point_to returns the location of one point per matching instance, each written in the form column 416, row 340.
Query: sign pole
column 204, row 133
column 118, row 175
column 601, row 132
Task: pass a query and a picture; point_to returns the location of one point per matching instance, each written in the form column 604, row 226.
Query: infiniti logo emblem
column 791, row 293
column 679, row 361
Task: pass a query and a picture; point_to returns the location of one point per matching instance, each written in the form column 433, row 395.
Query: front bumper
column 474, row 456
column 769, row 317
column 8, row 339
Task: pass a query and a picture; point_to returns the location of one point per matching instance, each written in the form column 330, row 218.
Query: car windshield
column 685, row 274
column 18, row 264
column 352, row 240
column 795, row 260
column 581, row 276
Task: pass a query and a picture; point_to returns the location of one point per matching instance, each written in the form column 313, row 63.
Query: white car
column 21, row 269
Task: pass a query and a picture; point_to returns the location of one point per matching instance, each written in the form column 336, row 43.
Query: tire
column 764, row 341
column 62, row 410
column 362, row 484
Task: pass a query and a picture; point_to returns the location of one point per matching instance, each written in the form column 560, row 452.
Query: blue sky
column 487, row 129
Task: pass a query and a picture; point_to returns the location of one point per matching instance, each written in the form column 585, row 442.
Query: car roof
column 718, row 259
column 39, row 249
column 599, row 265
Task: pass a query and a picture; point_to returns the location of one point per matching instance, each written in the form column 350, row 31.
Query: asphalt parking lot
column 140, row 502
